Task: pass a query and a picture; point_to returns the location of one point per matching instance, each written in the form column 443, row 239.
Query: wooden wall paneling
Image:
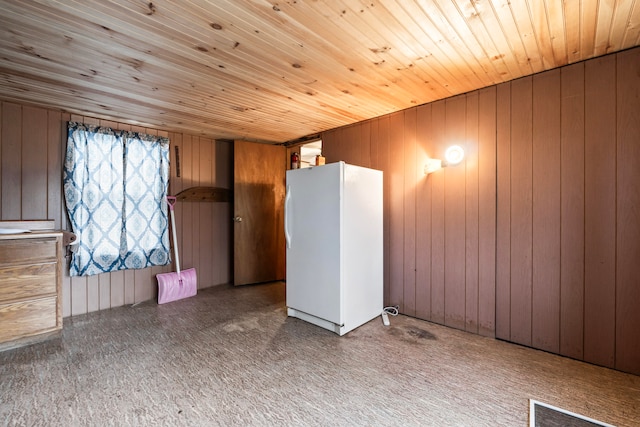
column 545, row 318
column 220, row 257
column 383, row 131
column 219, row 220
column 104, row 286
column 521, row 210
column 423, row 213
column 376, row 156
column 330, row 147
column 280, row 244
column 396, row 209
column 374, row 145
column 365, row 144
column 54, row 144
column 223, row 178
column 116, row 289
column 78, row 283
column 354, row 144
column 628, row 213
column 437, row 183
column 11, row 161
column 600, row 211
column 503, row 211
column 207, row 243
column 129, row 287
column 471, row 210
column 454, row 217
column 350, row 150
column 487, row 212
column 195, row 206
column 78, row 298
column 34, row 163
column 409, row 233
column 572, row 211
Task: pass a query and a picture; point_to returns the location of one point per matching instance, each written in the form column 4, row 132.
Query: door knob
column 237, row 219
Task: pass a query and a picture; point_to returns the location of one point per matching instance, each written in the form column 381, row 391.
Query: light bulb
column 454, row 154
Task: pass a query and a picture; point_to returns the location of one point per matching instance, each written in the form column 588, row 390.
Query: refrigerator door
column 362, row 246
column 312, row 230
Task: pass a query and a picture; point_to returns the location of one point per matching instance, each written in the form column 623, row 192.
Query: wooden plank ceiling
column 276, row 70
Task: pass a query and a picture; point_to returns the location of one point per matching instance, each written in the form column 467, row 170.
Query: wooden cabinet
column 30, row 287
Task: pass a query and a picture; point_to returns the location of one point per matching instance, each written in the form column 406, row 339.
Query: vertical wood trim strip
column 545, row 325
column 521, row 210
column 572, row 211
column 424, row 150
column 224, row 178
column 628, row 214
column 503, row 211
column 365, row 144
column 396, row 208
column 454, row 217
column 600, row 212
column 487, row 155
column 437, row 216
column 104, row 286
column 471, row 210
column 207, row 247
column 55, row 199
column 409, row 232
column 34, row 165
column 11, row 160
column 195, row 207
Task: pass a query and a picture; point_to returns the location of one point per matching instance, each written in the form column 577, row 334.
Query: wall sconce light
column 452, row 157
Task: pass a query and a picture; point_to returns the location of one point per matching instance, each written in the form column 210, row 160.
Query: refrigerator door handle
column 287, row 235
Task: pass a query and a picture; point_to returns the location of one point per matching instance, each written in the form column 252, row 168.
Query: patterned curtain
column 115, row 184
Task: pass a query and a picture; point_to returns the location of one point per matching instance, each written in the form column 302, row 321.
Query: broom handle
column 171, row 200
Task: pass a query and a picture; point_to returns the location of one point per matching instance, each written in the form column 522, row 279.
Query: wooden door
column 258, row 227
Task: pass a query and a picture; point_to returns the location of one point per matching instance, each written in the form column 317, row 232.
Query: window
column 115, row 185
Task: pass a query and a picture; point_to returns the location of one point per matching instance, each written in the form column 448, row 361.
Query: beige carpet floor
column 231, row 356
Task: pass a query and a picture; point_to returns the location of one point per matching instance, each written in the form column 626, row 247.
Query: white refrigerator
column 334, row 236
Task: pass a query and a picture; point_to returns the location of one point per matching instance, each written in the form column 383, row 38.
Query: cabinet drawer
column 28, row 251
column 23, row 319
column 27, row 281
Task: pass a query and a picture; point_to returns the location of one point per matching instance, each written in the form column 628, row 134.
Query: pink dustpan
column 181, row 284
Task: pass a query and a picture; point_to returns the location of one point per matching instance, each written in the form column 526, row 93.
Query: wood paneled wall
column 439, row 229
column 32, row 147
column 569, row 211
column 536, row 237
